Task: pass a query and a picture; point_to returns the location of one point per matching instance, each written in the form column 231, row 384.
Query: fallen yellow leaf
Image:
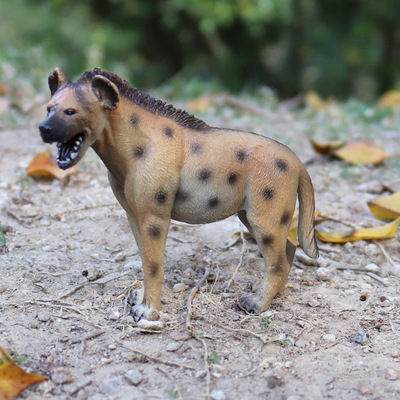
column 45, row 165
column 315, row 101
column 362, row 152
column 386, row 207
column 390, row 99
column 327, row 148
column 293, row 232
column 202, row 103
column 13, row 379
column 381, row 232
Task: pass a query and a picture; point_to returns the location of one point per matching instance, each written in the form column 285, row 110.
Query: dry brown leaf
column 381, row 232
column 13, row 379
column 362, row 152
column 327, row 148
column 4, row 89
column 390, row 99
column 45, row 165
column 387, row 208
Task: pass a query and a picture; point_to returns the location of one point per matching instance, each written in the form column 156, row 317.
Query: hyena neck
column 112, row 147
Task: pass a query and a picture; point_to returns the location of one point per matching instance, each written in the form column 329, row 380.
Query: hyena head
column 76, row 114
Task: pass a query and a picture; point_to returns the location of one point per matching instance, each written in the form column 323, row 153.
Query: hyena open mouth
column 69, row 150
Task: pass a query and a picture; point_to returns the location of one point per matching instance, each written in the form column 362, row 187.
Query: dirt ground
column 71, row 260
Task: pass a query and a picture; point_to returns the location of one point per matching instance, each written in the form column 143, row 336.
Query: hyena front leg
column 153, row 237
column 278, row 254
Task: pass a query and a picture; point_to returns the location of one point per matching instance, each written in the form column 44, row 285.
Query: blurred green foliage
column 336, row 47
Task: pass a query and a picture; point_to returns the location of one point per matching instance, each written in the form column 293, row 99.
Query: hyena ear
column 57, row 78
column 106, row 91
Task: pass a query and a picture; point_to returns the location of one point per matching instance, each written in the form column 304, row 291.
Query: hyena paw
column 144, row 311
column 251, row 303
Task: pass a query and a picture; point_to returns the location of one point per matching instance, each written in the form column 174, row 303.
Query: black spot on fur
column 232, row 178
column 267, row 240
column 285, row 218
column 154, row 231
column 281, row 165
column 138, row 151
column 213, row 202
column 268, row 193
column 153, row 269
column 168, row 132
column 134, row 120
column 161, row 196
column 196, row 148
column 241, row 155
column 278, row 266
column 182, row 195
column 204, row 175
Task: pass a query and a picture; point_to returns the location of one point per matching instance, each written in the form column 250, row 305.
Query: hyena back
column 166, row 164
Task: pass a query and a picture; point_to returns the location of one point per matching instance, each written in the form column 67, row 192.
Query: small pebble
column 180, row 336
column 2, row 288
column 61, row 376
column 217, row 395
column 361, row 337
column 329, row 337
column 115, row 316
column 373, row 267
column 134, row 376
column 395, row 354
column 43, row 317
column 180, row 287
column 392, row 374
column 146, row 325
column 188, row 281
column 365, row 389
column 174, row 346
column 201, row 374
column 112, row 347
column 313, row 302
column 323, row 274
column 120, row 257
column 92, row 273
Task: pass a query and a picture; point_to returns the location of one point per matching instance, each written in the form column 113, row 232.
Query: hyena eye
column 69, row 111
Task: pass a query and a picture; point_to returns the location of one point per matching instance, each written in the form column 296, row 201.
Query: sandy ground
column 71, row 260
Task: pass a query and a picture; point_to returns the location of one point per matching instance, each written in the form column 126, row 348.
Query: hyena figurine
column 165, row 164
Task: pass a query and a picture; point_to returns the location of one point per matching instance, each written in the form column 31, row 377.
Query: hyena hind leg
column 290, row 247
column 278, row 255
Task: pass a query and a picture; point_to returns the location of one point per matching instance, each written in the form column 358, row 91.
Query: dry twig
column 242, row 252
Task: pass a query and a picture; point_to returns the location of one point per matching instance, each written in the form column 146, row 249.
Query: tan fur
column 165, row 164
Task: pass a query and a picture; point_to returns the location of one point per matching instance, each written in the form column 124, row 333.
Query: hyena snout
column 52, row 132
column 46, row 132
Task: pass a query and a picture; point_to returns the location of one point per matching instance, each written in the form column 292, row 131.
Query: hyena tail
column 306, row 230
